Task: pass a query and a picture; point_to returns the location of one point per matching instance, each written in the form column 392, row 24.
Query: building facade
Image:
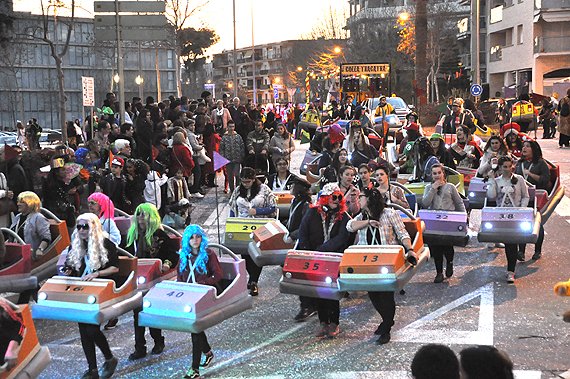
column 524, row 46
column 28, row 78
column 271, row 67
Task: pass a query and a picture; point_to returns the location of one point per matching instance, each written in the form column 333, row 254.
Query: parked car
column 399, row 104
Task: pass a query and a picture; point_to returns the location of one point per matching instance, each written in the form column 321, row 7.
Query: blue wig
column 186, row 250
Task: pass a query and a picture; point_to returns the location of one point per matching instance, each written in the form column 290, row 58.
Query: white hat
column 329, row 189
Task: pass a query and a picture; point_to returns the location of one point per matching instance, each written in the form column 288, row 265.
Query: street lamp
column 116, row 78
column 299, row 68
column 139, row 80
column 337, row 50
column 277, row 80
column 404, row 16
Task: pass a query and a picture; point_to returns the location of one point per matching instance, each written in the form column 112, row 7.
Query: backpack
column 565, row 109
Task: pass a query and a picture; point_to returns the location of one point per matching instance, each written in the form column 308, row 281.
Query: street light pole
column 234, row 55
column 475, row 45
column 120, row 67
column 253, row 57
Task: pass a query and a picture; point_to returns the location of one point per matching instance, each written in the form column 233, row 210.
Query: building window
column 520, row 34
column 170, row 59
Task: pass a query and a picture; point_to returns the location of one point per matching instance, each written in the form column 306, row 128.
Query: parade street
column 476, row 306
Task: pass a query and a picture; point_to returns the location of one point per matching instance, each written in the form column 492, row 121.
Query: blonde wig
column 31, row 200
column 97, row 252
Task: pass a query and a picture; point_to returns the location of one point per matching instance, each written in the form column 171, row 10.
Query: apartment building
column 28, row 78
column 525, row 46
column 269, row 65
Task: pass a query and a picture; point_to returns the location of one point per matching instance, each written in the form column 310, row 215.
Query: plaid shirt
column 391, row 231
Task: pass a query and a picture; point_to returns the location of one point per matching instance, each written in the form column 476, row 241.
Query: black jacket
column 450, row 126
column 113, row 261
column 272, row 181
column 163, row 247
column 311, row 233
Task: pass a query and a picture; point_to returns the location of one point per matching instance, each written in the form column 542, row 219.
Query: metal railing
column 552, row 44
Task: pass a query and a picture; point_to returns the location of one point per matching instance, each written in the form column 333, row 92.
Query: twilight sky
column 273, row 20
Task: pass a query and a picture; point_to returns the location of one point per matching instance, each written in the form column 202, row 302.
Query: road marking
column 212, row 218
column 563, row 208
column 420, row 332
column 253, row 349
column 519, row 374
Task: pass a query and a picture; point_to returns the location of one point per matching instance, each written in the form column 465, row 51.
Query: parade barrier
column 32, row 358
column 269, row 246
column 91, row 302
column 192, row 307
column 16, row 273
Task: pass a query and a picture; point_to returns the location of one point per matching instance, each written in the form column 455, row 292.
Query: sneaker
column 520, row 256
column 137, row 354
column 111, row 324
column 323, row 331
column 109, row 368
column 384, row 339
column 449, row 270
column 253, row 289
column 438, row 278
column 334, row 330
column 208, row 358
column 304, row 314
column 510, row 277
column 90, row 374
column 192, row 373
column 197, row 195
column 536, row 256
column 500, row 245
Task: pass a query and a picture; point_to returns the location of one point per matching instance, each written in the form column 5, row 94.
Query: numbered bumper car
column 32, row 358
column 477, row 193
column 468, row 174
column 15, row 274
column 311, row 274
column 445, row 227
column 310, row 161
column 509, row 225
column 95, row 302
column 383, row 267
column 237, row 235
column 268, row 246
column 191, row 307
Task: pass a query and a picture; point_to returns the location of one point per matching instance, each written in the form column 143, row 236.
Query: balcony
column 496, row 54
column 551, row 4
column 552, row 44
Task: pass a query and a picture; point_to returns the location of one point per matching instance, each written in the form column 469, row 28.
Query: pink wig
column 106, row 204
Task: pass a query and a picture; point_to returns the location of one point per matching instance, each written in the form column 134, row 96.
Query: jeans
column 511, row 251
column 140, row 341
column 199, row 345
column 197, row 172
column 329, row 310
column 385, row 305
column 538, row 244
column 233, row 169
column 92, row 336
column 438, row 252
column 253, row 270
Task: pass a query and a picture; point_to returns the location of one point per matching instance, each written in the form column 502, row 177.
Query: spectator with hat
column 114, row 184
column 458, row 116
column 514, row 139
column 441, row 152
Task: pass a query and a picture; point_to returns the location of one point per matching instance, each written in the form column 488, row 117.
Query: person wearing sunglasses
column 441, row 195
column 378, row 225
column 147, row 239
column 90, row 256
column 252, row 199
column 323, row 228
column 198, row 264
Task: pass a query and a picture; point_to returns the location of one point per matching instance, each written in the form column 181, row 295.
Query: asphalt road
column 476, row 306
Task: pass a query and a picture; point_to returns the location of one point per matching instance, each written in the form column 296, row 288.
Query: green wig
column 154, row 223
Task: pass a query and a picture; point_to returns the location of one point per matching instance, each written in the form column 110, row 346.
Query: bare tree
column 330, row 26
column 421, row 31
column 51, row 35
column 178, row 14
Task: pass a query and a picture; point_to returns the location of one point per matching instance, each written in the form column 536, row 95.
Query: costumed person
column 252, row 199
column 299, row 206
column 323, row 228
column 458, row 117
column 441, row 152
column 90, row 256
column 534, row 169
column 390, row 193
column 514, row 138
column 378, row 225
column 200, row 265
column 464, row 150
column 101, row 205
column 441, row 195
column 425, row 160
column 508, row 190
column 494, row 149
column 147, row 239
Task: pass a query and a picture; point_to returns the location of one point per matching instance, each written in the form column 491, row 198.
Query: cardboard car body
column 268, row 246
column 16, row 273
column 444, row 227
column 237, row 235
